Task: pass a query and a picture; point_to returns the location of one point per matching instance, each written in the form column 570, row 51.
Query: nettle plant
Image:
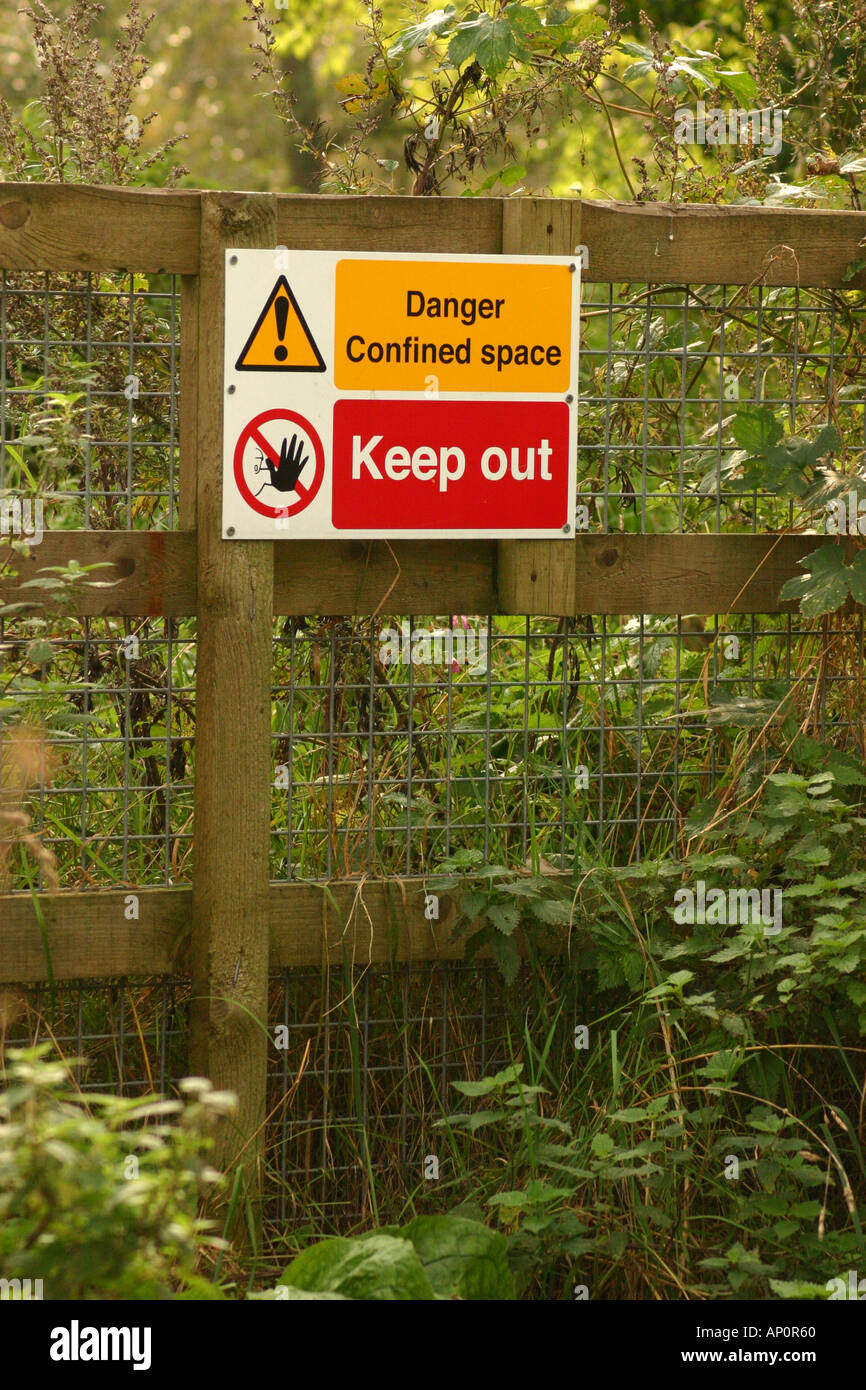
column 586, row 1201
column 703, row 1107
column 498, row 906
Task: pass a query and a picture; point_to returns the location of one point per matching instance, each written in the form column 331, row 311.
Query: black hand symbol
column 285, row 474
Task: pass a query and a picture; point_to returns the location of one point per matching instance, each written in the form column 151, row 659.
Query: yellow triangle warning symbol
column 281, row 340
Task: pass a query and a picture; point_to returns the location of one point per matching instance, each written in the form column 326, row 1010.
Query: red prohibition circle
column 252, row 431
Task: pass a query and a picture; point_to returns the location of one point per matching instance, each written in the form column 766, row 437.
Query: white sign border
column 239, row 522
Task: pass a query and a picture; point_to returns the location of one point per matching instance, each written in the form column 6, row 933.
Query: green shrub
column 99, row 1194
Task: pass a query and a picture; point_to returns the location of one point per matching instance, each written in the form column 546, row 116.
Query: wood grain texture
column 82, row 227
column 681, row 574
column 347, row 223
column 49, row 226
column 541, row 226
column 365, row 577
column 89, row 935
column 375, row 922
column 147, row 573
column 155, row 572
column 228, row 1042
column 660, row 243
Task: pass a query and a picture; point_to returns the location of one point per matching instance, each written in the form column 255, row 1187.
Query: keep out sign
column 399, row 396
column 415, row 464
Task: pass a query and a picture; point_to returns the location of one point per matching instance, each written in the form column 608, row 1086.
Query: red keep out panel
column 441, row 472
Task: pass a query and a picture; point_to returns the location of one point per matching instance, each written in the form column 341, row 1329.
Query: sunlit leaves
column 492, row 41
column 437, row 22
column 359, row 91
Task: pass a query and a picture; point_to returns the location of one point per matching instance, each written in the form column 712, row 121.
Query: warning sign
column 280, row 340
column 399, row 463
column 399, row 396
column 501, row 327
column 279, row 463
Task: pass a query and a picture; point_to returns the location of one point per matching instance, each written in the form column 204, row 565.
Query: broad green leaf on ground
column 461, row 1258
column 383, row 1267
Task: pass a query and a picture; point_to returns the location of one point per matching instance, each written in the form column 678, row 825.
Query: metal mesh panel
column 592, row 737
column 129, row 1037
column 365, row 1070
column 662, row 372
column 115, row 805
column 89, row 397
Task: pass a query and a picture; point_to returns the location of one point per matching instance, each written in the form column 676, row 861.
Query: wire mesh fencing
column 397, row 741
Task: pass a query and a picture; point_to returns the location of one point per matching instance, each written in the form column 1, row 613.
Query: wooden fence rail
column 233, row 926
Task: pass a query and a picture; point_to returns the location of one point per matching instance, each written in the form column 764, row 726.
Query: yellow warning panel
column 494, row 325
column 280, row 340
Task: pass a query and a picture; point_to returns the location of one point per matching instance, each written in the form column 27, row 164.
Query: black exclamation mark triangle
column 280, row 340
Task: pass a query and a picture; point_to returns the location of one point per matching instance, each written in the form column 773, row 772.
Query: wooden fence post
column 538, row 576
column 230, row 934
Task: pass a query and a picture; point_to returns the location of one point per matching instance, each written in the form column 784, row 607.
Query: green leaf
column 512, row 174
column 578, row 26
column 846, row 770
column 856, row 572
column 461, row 1258
column 492, row 42
column 472, row 904
column 381, row 1267
column 514, row 1201
column 489, row 1083
column 40, row 652
column 742, row 84
column 507, row 957
column 824, row 587
column 505, row 917
column 552, row 911
column 756, row 428
column 692, row 68
column 418, row 34
column 800, row 1289
column 524, row 18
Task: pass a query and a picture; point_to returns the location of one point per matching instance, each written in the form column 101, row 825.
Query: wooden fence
column 233, row 924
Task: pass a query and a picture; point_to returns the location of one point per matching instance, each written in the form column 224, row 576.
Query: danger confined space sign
column 399, row 396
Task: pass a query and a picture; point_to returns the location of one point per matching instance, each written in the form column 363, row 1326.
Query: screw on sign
column 279, row 456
